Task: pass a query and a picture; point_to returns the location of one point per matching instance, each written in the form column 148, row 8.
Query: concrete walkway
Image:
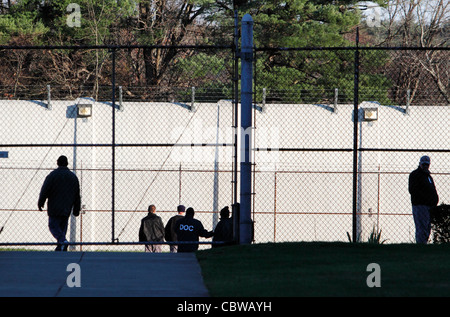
column 108, row 274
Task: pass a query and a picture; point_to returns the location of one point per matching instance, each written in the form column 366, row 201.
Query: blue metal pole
column 245, row 221
column 113, row 141
column 355, row 140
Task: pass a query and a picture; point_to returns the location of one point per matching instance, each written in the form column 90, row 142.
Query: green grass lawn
column 325, row 269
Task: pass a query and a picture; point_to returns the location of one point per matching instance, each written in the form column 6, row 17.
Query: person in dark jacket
column 169, row 229
column 190, row 229
column 224, row 229
column 151, row 230
column 423, row 197
column 61, row 189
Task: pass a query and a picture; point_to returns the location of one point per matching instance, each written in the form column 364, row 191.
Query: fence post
column 355, row 139
column 336, row 96
column 113, row 144
column 408, row 101
column 246, row 224
column 236, row 107
column 49, row 104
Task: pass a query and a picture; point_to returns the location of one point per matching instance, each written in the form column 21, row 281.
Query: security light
column 370, row 114
column 84, row 110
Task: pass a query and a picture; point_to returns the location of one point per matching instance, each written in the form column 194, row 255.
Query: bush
column 440, row 223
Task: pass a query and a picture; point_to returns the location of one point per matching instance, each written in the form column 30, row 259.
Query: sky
column 427, row 7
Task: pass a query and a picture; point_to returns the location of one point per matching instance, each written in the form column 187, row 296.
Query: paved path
column 106, row 274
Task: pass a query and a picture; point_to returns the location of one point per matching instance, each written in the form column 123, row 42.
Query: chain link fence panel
column 314, row 165
column 168, row 138
column 165, row 144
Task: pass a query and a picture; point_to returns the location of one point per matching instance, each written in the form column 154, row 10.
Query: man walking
column 62, row 190
column 190, row 229
column 423, row 197
column 151, row 230
column 170, row 233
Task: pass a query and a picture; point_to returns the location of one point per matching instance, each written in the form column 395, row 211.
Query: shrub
column 440, row 223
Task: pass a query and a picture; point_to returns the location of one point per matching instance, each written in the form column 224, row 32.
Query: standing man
column 423, row 197
column 170, row 233
column 152, row 230
column 224, row 229
column 190, row 229
column 62, row 189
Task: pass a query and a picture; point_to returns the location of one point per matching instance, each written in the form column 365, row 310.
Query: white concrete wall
column 312, row 199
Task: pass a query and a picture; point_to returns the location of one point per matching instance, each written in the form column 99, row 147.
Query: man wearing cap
column 170, row 233
column 423, row 197
column 62, row 190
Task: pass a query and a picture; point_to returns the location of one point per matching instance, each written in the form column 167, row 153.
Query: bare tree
column 420, row 23
column 164, row 22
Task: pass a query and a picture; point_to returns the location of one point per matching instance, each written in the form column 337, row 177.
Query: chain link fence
column 162, row 133
column 166, row 138
column 320, row 175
